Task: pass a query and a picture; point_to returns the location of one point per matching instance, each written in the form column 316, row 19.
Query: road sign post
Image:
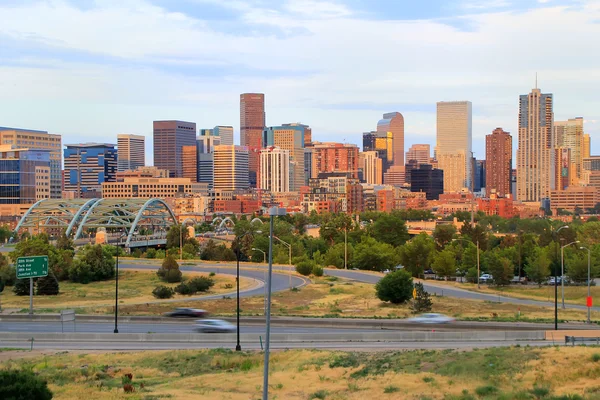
column 32, row 267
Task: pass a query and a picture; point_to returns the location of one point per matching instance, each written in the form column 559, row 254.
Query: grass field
column 134, row 287
column 333, row 297
column 498, row 373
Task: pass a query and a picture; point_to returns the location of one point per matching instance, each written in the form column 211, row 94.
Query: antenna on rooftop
column 536, row 86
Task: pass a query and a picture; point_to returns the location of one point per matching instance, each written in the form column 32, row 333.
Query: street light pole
column 589, row 295
column 562, row 271
column 555, row 235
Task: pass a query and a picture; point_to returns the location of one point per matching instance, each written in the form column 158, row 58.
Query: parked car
column 428, row 272
column 431, row 318
column 486, row 278
column 518, row 279
column 214, row 325
column 187, row 313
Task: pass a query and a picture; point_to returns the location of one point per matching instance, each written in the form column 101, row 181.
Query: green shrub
column 137, row 253
column 391, row 389
column 201, row 283
column 596, row 357
column 317, row 270
column 21, row 287
column 169, row 271
column 160, row 254
column 540, row 392
column 305, row 267
column 8, row 274
column 151, row 253
column 212, row 274
column 163, row 292
column 321, row 394
column 185, row 289
column 395, row 287
column 93, row 263
column 16, row 384
column 47, row 285
column 488, row 390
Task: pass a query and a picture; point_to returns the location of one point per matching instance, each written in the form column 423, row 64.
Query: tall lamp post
column 555, row 236
column 589, row 295
column 238, row 346
column 562, row 270
column 289, row 246
column 478, row 269
column 117, row 283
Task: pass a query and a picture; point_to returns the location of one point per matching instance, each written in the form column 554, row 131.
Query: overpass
column 132, row 222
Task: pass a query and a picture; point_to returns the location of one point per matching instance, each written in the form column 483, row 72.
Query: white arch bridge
column 133, row 222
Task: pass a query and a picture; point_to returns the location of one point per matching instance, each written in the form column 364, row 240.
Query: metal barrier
column 582, row 340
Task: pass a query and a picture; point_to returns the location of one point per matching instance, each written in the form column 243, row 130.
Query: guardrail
column 582, row 340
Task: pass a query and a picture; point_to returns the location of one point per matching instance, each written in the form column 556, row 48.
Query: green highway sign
column 32, row 267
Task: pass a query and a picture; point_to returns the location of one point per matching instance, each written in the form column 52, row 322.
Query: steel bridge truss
column 124, row 215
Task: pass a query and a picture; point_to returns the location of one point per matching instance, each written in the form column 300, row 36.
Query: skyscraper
column 252, row 123
column 275, row 169
column 427, row 179
column 453, row 145
column 569, row 135
column 498, row 157
column 371, row 166
column 333, row 157
column 307, row 133
column 131, row 151
column 419, row 152
column 394, row 122
column 586, row 148
column 169, row 138
column 87, row 165
column 225, row 133
column 41, row 140
column 205, row 145
column 383, row 144
column 535, row 152
column 291, row 138
column 230, row 171
column 189, row 157
column 24, row 175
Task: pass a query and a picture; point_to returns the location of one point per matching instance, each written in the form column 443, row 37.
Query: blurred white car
column 431, row 318
column 214, row 325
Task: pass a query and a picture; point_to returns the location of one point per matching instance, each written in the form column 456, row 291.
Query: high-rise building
column 230, row 168
column 42, row 140
column 586, row 148
column 291, row 138
column 169, row 138
column 393, row 122
column 564, row 168
column 275, row 169
column 308, row 157
column 419, row 152
column 24, row 175
column 205, row 144
column 479, row 181
column 498, row 157
column 453, row 144
column 535, row 152
column 252, row 124
column 428, row 180
column 307, row 132
column 131, row 152
column 383, row 144
column 371, row 166
column 225, row 133
column 569, row 134
column 335, row 157
column 87, row 165
column 189, row 156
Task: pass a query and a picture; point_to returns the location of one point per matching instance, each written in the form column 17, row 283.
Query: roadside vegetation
column 496, row 373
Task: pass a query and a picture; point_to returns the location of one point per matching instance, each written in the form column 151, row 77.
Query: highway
column 280, row 282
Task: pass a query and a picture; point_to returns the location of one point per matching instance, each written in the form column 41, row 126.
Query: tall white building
column 275, row 170
column 372, row 167
column 131, row 152
column 230, row 168
column 535, row 153
column 569, row 134
column 453, row 144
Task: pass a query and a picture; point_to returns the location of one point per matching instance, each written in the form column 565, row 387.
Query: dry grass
column 509, row 373
column 134, row 287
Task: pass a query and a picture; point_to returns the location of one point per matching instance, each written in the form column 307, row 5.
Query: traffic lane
column 281, row 281
column 256, row 346
column 37, row 327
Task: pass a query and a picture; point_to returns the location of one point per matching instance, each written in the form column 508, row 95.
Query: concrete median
column 412, row 336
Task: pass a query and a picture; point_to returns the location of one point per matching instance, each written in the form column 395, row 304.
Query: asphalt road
column 280, row 279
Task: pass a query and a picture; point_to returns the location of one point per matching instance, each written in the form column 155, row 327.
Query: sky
column 90, row 69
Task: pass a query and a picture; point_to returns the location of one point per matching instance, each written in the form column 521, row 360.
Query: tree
column 305, row 267
column 390, row 229
column 59, row 261
column 23, row 384
column 21, row 287
column 8, row 274
column 476, row 233
column 48, row 286
column 374, row 256
column 335, row 255
column 64, row 243
column 5, row 233
column 396, row 287
column 538, row 266
column 501, row 268
column 92, row 263
column 422, row 302
column 577, row 266
column 417, row 254
column 442, row 235
column 444, row 263
column 173, row 236
column 169, row 270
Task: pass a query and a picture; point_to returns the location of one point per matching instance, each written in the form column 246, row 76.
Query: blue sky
column 91, row 69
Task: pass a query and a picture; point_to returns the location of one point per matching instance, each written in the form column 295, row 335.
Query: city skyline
column 307, row 87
